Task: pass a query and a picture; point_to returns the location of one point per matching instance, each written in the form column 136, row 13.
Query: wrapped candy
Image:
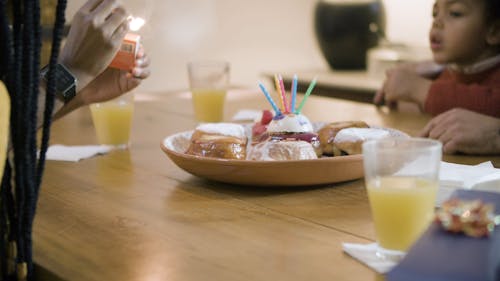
column 473, row 218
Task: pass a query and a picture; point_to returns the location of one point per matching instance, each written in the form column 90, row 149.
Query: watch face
column 65, row 82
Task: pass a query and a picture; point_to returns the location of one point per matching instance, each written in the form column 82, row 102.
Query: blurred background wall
column 254, row 36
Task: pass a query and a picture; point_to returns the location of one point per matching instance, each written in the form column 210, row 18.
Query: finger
column 119, row 34
column 450, row 147
column 143, row 62
column 447, row 135
column 90, row 5
column 431, row 125
column 141, row 73
column 132, row 82
column 106, row 9
column 116, row 19
column 378, row 99
column 426, row 130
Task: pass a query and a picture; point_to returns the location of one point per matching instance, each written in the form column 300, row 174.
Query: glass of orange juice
column 402, row 178
column 113, row 120
column 208, row 81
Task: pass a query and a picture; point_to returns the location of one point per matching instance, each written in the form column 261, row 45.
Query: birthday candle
column 308, row 92
column 269, row 98
column 278, row 91
column 283, row 93
column 294, row 93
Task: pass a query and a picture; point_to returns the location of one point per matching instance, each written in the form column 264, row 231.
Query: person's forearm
column 41, row 105
column 60, row 108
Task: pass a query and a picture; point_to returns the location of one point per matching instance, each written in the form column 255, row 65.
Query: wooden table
column 134, row 215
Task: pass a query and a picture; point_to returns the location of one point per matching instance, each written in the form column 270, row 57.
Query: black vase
column 346, row 30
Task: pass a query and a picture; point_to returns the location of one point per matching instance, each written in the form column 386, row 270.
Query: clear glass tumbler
column 401, row 177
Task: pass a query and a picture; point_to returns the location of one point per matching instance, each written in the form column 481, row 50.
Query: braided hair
column 20, row 44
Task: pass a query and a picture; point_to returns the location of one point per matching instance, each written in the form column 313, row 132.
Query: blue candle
column 269, row 98
column 294, row 93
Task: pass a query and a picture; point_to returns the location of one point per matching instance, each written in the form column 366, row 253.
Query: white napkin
column 367, row 254
column 247, row 115
column 75, row 153
column 455, row 176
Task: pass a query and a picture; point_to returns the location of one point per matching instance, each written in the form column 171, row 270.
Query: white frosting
column 291, row 123
column 360, row 134
column 225, row 129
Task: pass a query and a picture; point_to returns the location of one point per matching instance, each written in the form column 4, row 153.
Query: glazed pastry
column 282, row 150
column 349, row 140
column 219, row 140
column 328, row 132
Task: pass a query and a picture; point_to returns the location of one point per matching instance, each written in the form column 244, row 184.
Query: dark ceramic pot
column 346, row 29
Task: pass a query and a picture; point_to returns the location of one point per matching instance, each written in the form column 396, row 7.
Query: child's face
column 458, row 33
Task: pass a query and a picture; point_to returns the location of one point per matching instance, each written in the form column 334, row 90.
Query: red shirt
column 478, row 92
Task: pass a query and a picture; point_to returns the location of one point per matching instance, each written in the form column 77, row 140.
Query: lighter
column 125, row 58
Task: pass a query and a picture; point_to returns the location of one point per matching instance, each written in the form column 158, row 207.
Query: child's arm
column 465, row 131
column 404, row 83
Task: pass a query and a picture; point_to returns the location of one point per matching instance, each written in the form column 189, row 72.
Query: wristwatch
column 65, row 82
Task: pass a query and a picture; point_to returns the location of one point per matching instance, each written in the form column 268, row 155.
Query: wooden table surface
column 133, row 215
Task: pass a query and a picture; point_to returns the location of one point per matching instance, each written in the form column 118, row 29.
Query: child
column 465, row 96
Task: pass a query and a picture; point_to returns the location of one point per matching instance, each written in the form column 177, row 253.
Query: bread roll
column 350, row 140
column 219, row 140
column 328, row 132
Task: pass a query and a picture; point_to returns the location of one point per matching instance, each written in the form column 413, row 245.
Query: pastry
column 328, row 132
column 282, row 150
column 219, row 140
column 350, row 140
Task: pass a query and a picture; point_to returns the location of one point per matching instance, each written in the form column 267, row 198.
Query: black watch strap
column 65, row 82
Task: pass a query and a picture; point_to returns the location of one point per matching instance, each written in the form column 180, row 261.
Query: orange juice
column 402, row 208
column 208, row 104
column 112, row 121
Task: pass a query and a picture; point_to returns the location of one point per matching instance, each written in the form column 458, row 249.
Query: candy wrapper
column 473, row 218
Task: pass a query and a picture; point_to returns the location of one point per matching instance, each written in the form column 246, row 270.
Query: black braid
column 51, row 86
column 23, row 191
column 17, row 126
column 19, row 65
column 5, row 196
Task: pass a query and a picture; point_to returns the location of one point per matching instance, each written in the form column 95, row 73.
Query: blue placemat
column 439, row 255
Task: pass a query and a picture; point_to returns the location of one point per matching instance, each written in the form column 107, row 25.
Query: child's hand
column 465, row 131
column 403, row 83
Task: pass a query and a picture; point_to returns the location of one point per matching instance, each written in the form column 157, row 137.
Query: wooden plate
column 263, row 173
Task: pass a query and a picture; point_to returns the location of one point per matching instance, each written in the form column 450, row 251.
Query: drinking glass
column 113, row 120
column 208, row 82
column 401, row 177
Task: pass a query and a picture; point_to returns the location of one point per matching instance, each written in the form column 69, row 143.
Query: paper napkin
column 457, row 176
column 75, row 153
column 247, row 115
column 366, row 253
